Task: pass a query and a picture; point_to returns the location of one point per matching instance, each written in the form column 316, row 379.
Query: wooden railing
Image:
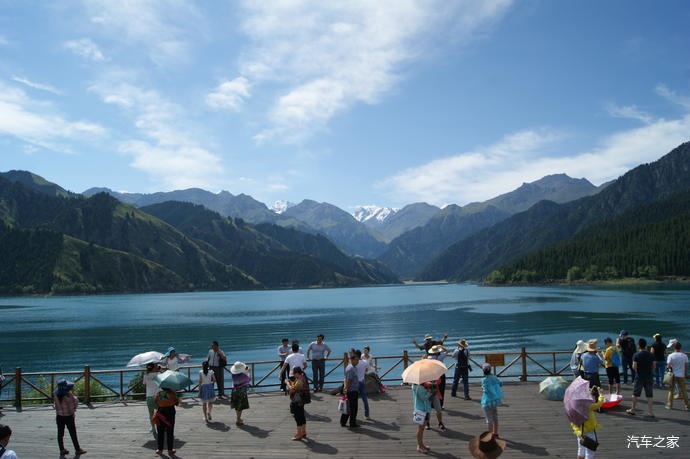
column 37, row 387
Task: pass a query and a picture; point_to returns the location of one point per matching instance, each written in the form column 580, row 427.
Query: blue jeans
column 363, row 396
column 659, row 372
column 627, row 363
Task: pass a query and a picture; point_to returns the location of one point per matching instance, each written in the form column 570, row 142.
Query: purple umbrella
column 577, row 401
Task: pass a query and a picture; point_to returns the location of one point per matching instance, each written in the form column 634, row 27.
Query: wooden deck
column 531, row 426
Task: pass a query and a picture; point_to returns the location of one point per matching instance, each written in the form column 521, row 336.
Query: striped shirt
column 67, row 406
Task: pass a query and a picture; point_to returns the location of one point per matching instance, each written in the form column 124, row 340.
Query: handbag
column 668, row 377
column 418, row 417
column 588, row 442
column 343, row 406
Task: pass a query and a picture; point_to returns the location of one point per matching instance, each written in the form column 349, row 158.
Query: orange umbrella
column 424, row 370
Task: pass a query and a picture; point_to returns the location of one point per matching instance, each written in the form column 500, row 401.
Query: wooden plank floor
column 532, row 427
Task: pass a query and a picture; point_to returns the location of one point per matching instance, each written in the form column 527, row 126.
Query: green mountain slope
column 653, row 235
column 547, row 223
column 272, row 260
column 35, row 182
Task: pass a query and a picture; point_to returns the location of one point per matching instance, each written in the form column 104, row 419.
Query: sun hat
column 592, row 345
column 672, row 342
column 486, row 446
column 63, row 386
column 656, row 335
column 580, row 346
column 428, row 336
column 486, row 366
column 623, row 332
column 435, row 349
column 169, row 351
column 238, row 367
column 463, row 343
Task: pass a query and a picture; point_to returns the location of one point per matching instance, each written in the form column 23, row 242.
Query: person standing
column 436, row 403
column 206, row 393
column 492, row 397
column 65, row 403
column 627, row 346
column 166, row 401
column 678, row 363
column 439, row 353
column 589, row 427
column 421, row 408
column 575, row 364
column 5, row 434
column 612, row 359
column 283, row 352
column 372, row 370
column 351, row 391
column 462, row 369
column 643, row 364
column 240, row 383
column 428, row 343
column 591, row 363
column 361, row 368
column 297, row 386
column 294, row 360
column 217, row 361
column 659, row 351
column 152, row 370
column 319, row 352
column 171, row 362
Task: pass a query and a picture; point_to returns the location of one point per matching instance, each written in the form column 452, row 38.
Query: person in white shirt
column 296, row 359
column 217, row 360
column 206, row 394
column 319, row 352
column 283, row 352
column 5, row 434
column 152, row 370
column 678, row 363
column 171, row 362
column 361, row 368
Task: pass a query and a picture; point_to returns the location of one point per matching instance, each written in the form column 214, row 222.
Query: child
column 491, row 398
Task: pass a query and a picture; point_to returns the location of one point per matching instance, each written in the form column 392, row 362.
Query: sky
column 348, row 102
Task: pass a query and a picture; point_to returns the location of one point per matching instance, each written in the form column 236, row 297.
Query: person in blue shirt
column 591, row 362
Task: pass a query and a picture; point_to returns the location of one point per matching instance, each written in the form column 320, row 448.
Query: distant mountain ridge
column 410, row 252
column 547, row 222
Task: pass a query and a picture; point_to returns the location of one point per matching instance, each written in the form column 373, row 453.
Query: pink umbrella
column 577, row 400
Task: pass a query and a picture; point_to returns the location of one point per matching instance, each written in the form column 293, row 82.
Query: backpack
column 616, row 358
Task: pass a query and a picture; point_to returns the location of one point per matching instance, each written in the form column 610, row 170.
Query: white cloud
column 527, row 156
column 629, row 111
column 168, row 150
column 229, row 94
column 673, row 96
column 39, row 123
column 163, row 28
column 328, row 56
column 86, row 48
column 34, row 85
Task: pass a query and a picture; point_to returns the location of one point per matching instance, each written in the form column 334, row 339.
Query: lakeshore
column 530, row 425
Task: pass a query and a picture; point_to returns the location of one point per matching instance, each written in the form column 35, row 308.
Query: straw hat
column 435, row 349
column 580, row 346
column 486, row 446
column 428, row 336
column 238, row 367
column 463, row 343
column 592, row 345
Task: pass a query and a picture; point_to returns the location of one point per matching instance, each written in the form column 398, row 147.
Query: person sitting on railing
column 5, row 434
column 428, row 343
column 371, row 377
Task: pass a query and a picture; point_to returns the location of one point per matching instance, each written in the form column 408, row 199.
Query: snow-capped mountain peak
column 375, row 213
column 281, row 206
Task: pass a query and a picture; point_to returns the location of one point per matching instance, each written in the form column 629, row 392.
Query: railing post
column 253, row 381
column 122, row 385
column 406, row 359
column 18, row 388
column 87, row 384
column 554, row 363
column 523, row 359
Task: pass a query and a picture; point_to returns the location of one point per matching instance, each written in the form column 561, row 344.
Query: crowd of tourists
column 659, row 365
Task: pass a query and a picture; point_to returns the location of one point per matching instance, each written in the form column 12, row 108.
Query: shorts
column 585, row 452
column 491, row 413
column 436, row 404
column 614, row 375
column 648, row 385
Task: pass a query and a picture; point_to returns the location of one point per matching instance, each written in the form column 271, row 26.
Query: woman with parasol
column 420, row 372
column 580, row 403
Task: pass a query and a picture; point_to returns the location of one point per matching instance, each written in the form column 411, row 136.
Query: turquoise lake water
column 64, row 333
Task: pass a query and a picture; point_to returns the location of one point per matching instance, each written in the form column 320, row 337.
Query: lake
column 66, row 332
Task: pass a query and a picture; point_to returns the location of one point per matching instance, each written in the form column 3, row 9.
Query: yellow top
column 591, row 422
column 608, row 356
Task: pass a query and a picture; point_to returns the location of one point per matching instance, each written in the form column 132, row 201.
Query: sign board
column 495, row 360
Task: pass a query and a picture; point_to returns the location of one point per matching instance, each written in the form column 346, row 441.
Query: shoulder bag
column 588, row 442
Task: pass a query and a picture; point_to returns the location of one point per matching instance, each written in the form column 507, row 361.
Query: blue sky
column 352, row 102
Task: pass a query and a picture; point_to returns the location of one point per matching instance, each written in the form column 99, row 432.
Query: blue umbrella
column 172, row 380
column 553, row 388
